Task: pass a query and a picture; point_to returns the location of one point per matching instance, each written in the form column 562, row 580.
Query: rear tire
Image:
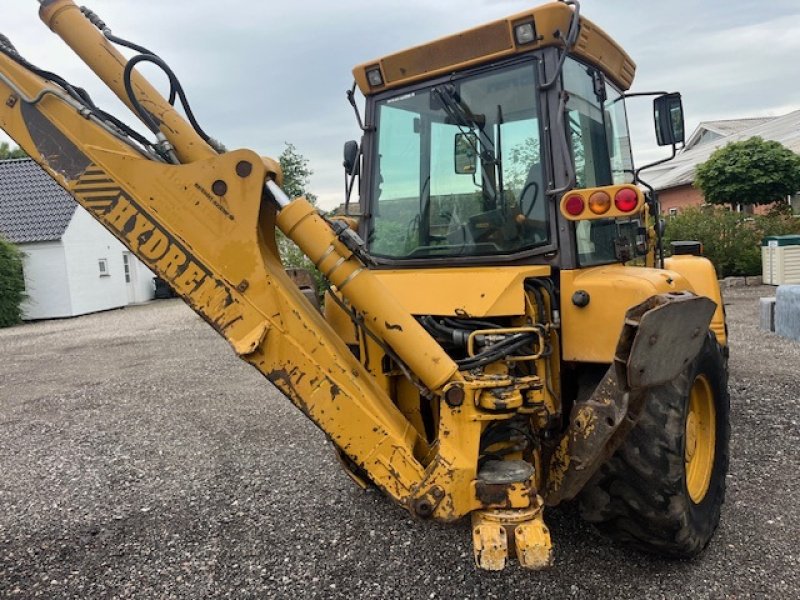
column 656, row 494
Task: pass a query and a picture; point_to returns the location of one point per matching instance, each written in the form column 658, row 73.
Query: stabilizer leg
column 496, row 532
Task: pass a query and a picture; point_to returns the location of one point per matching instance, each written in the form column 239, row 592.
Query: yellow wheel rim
column 701, row 430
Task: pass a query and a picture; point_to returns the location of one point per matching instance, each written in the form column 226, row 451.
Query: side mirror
column 350, row 156
column 668, row 113
column 465, row 153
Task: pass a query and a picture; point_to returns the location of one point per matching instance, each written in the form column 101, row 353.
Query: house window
column 126, row 264
column 102, row 263
column 673, row 212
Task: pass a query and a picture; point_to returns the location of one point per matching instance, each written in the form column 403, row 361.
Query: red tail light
column 626, row 200
column 574, row 205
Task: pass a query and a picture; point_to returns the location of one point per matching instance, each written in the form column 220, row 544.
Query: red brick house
column 674, row 179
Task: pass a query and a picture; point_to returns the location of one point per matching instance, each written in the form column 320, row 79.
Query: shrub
column 752, row 171
column 732, row 241
column 12, row 284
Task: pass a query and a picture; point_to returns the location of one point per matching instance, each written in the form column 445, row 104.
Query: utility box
column 780, row 259
column 787, row 312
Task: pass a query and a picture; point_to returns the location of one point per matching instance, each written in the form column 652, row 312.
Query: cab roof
column 494, row 41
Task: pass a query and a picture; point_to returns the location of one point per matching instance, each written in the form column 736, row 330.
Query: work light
column 374, row 77
column 525, row 33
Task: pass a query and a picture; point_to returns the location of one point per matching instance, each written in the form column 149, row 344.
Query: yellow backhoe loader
column 502, row 331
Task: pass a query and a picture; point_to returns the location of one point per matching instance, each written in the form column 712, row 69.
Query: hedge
column 732, row 241
column 12, row 284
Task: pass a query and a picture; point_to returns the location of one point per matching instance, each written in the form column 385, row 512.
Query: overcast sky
column 259, row 74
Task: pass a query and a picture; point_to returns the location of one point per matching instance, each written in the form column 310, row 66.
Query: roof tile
column 33, row 207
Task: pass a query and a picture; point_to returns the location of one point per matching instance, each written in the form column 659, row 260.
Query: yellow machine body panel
column 700, row 274
column 590, row 333
column 494, row 41
column 465, row 291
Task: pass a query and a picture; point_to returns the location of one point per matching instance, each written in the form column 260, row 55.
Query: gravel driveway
column 140, row 459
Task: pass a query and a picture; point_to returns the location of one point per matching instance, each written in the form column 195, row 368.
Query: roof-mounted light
column 525, row 33
column 374, row 76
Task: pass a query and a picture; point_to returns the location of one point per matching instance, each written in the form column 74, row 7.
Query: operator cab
column 467, row 162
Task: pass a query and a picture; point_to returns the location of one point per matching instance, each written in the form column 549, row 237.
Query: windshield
column 458, row 169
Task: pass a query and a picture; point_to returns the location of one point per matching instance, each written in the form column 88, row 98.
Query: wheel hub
column 700, row 439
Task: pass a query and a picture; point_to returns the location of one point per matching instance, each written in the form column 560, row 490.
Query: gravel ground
column 141, row 459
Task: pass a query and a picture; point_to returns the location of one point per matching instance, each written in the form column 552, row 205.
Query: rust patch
column 493, row 495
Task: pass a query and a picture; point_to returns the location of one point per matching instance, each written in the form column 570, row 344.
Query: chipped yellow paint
column 496, row 532
column 586, row 421
column 533, row 543
column 489, row 543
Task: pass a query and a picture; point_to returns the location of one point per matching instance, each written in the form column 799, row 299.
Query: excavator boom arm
column 206, row 225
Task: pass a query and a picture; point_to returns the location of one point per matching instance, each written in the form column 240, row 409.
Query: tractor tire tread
column 639, row 497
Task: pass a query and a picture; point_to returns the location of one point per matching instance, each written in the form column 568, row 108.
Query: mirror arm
column 636, row 178
column 654, row 205
column 351, row 98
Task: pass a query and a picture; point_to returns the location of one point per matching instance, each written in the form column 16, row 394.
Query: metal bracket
column 660, row 337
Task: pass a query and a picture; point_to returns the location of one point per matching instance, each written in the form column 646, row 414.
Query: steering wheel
column 530, row 184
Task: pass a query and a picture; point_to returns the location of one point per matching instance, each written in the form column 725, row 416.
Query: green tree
column 296, row 173
column 752, row 172
column 12, row 284
column 7, row 152
column 296, row 178
column 519, row 162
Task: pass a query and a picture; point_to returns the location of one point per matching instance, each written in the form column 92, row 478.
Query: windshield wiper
column 458, row 110
column 463, row 117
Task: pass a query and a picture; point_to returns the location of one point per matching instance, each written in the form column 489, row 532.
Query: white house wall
column 46, row 284
column 142, row 279
column 86, row 242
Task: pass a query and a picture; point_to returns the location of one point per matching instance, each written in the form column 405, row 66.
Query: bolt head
column 219, row 187
column 454, row 396
column 244, row 168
